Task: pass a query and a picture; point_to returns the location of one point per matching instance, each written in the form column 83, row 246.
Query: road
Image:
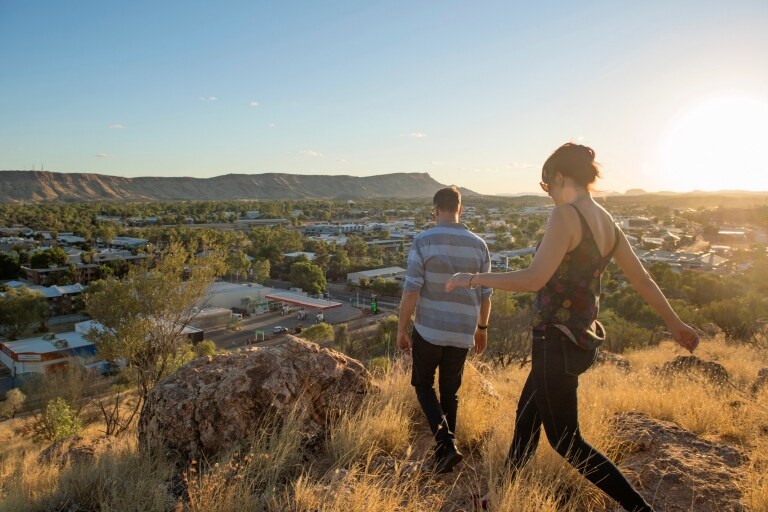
column 228, row 339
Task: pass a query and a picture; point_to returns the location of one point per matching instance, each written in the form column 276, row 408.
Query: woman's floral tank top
column 571, row 298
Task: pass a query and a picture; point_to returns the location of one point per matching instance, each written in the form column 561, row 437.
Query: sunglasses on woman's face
column 544, row 186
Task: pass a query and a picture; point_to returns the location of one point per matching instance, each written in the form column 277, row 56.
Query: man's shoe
column 446, row 457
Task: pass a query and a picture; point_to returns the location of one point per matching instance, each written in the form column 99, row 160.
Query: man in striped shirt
column 446, row 325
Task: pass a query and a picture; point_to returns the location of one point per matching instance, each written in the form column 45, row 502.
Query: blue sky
column 672, row 95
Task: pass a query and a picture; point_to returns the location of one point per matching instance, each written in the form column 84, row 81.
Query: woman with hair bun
column 579, row 241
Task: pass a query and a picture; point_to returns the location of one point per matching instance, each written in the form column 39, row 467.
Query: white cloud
column 521, row 165
column 208, row 98
column 254, row 104
column 435, row 162
column 117, row 126
column 414, row 135
column 102, row 155
column 342, row 160
column 271, row 125
column 310, row 153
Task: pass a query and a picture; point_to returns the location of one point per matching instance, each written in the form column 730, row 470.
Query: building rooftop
column 47, row 343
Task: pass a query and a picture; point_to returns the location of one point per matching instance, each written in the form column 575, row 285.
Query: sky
column 672, row 95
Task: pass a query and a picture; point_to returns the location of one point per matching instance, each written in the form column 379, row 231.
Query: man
column 446, row 325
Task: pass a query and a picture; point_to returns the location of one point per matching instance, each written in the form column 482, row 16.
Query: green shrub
column 205, row 348
column 380, row 365
column 58, row 421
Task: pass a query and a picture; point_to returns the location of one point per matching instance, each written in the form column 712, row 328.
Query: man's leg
column 451, row 372
column 426, row 357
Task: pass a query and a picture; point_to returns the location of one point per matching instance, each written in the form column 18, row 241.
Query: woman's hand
column 686, row 336
column 458, row 280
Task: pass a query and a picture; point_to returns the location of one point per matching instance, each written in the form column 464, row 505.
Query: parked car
column 279, row 329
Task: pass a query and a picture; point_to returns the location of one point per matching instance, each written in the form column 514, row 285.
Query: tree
column 308, row 277
column 738, row 318
column 9, row 267
column 261, row 269
column 238, row 263
column 55, row 256
column 106, row 232
column 386, row 286
column 20, row 308
column 339, row 264
column 143, row 316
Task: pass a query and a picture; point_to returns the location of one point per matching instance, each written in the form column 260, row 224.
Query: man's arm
column 407, row 307
column 481, row 335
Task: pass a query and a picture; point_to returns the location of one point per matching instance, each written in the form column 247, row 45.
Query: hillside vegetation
column 376, row 459
column 35, row 186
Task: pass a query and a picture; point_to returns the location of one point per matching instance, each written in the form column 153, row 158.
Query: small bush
column 380, row 365
column 59, row 421
column 14, row 399
column 205, row 348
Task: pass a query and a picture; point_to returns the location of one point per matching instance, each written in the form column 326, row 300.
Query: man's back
column 438, row 253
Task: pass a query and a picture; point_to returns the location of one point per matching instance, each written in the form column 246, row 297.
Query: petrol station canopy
column 303, row 300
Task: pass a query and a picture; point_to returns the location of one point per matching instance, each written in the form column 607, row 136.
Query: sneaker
column 446, row 457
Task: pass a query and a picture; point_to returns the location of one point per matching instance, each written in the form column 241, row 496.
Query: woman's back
column 600, row 223
column 571, row 297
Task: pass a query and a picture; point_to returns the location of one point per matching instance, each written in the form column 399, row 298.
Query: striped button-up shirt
column 446, row 319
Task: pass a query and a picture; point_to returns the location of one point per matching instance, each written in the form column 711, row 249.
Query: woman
column 579, row 241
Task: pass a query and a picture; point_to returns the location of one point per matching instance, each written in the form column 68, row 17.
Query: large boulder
column 676, row 470
column 605, row 357
column 214, row 403
column 761, row 381
column 692, row 365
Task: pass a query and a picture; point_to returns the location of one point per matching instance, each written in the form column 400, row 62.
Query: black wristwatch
column 482, row 327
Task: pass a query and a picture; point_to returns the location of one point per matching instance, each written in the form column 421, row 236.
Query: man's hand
column 481, row 340
column 404, row 342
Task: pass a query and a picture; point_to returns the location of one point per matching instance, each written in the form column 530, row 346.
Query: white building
column 384, row 273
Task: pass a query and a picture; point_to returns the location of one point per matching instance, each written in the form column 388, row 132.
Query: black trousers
column 549, row 399
column 427, row 358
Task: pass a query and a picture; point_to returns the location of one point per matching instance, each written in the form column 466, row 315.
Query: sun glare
column 718, row 145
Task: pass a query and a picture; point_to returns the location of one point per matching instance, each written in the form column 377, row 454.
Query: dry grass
column 377, row 458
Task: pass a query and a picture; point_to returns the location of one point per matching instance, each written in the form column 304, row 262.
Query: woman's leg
column 527, row 429
column 556, row 401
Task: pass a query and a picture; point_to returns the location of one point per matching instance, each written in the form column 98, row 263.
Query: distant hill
column 35, row 186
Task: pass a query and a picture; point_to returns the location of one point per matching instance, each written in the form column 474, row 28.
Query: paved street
column 229, row 339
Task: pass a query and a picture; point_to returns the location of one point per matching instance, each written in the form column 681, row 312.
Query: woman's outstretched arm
column 639, row 278
column 550, row 253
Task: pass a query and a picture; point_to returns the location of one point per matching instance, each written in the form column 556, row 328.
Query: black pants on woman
column 549, row 400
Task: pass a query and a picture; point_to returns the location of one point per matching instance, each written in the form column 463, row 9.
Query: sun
column 719, row 144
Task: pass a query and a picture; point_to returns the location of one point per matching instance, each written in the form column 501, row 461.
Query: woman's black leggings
column 549, row 399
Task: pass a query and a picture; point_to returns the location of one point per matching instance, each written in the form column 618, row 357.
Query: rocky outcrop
column 714, row 372
column 676, row 470
column 215, row 403
column 761, row 382
column 54, row 186
column 605, row 357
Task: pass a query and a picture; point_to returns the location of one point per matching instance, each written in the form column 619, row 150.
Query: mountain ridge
column 37, row 186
